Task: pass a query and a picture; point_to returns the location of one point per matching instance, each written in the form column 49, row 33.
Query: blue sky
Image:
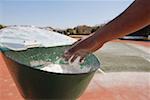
column 60, row 13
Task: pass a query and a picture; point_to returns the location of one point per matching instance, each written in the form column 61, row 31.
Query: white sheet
column 23, row 37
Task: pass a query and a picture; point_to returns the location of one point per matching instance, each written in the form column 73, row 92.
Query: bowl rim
column 99, row 64
column 56, row 73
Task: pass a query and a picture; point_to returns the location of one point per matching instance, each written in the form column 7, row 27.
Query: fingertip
column 66, row 57
column 73, row 58
column 82, row 59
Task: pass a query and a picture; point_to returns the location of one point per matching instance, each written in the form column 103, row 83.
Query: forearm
column 134, row 18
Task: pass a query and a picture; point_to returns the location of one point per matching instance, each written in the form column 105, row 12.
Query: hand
column 83, row 47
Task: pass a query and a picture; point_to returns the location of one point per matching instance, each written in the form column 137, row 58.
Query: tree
column 2, row 26
column 83, row 30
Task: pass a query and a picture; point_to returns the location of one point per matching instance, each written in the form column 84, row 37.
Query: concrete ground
column 126, row 65
column 125, row 56
column 119, row 86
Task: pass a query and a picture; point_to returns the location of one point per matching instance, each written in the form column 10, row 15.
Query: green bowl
column 34, row 83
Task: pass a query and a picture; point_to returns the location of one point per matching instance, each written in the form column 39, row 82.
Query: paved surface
column 119, row 86
column 127, row 79
column 125, row 56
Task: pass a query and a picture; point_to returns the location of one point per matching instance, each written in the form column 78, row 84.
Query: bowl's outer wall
column 36, row 84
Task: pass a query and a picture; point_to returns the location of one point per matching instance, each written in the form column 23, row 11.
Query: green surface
column 118, row 57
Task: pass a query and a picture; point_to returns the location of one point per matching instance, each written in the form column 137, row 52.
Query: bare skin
column 135, row 17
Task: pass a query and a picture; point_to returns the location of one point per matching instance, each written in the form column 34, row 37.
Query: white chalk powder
column 53, row 68
column 56, row 67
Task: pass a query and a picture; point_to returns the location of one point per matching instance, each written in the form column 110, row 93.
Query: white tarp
column 23, row 37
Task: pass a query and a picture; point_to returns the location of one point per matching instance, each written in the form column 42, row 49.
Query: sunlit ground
column 126, row 67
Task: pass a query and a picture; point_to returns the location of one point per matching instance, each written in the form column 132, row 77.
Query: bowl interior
column 36, row 57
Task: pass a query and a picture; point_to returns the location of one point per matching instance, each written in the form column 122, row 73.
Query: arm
column 135, row 17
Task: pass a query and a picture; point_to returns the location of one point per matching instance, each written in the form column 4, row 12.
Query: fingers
column 67, row 55
column 82, row 59
column 75, row 56
column 75, row 51
column 72, row 59
column 71, row 51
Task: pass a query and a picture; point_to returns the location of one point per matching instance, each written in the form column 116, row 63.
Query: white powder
column 60, row 68
column 53, row 68
column 64, row 68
